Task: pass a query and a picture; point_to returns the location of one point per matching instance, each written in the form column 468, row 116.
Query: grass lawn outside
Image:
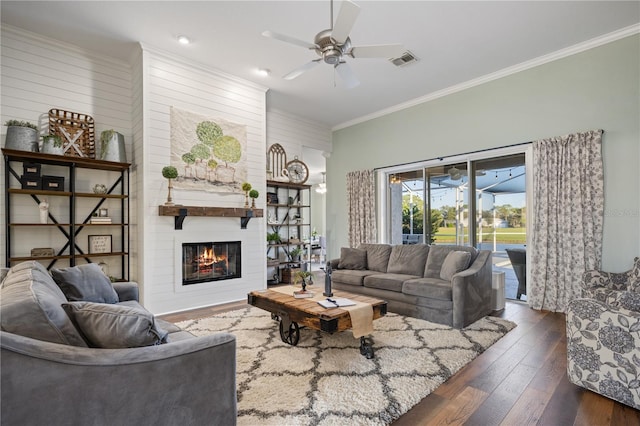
column 503, row 235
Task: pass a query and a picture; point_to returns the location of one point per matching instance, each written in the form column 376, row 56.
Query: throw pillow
column 115, row 326
column 351, row 258
column 455, row 262
column 85, row 283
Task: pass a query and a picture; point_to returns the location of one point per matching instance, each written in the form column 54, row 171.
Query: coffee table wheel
column 366, row 347
column 291, row 335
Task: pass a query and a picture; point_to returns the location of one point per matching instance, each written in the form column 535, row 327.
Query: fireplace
column 204, row 262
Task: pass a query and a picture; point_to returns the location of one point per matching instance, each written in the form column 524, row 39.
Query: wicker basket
column 76, row 130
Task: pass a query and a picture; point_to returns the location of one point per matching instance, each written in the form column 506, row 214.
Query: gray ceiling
column 456, row 41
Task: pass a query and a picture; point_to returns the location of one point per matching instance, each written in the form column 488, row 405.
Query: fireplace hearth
column 210, row 261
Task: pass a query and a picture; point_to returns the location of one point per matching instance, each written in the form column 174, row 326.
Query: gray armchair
column 603, row 335
column 52, row 374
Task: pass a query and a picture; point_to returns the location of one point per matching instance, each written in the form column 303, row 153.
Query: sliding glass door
column 480, row 203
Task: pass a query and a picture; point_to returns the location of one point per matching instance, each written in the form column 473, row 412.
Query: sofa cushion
column 377, row 256
column 30, row 306
column 350, row 276
column 408, row 259
column 114, row 326
column 391, row 282
column 456, row 261
column 433, row 288
column 351, row 258
column 437, row 255
column 85, row 283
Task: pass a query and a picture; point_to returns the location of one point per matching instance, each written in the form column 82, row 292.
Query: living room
column 591, row 84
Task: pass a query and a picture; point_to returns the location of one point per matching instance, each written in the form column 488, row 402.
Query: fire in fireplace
column 203, row 262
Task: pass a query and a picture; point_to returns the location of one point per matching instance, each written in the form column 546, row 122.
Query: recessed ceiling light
column 182, row 39
column 264, row 72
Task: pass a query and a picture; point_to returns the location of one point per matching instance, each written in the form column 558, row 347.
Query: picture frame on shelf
column 272, row 198
column 99, row 244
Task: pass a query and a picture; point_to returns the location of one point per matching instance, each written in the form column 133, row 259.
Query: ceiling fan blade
column 347, row 75
column 344, row 22
column 306, row 67
column 288, row 39
column 377, row 51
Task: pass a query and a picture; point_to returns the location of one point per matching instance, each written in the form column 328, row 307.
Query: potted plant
column 253, row 194
column 112, row 146
column 306, row 277
column 52, row 144
column 295, row 253
column 246, row 187
column 273, row 238
column 169, row 172
column 21, row 135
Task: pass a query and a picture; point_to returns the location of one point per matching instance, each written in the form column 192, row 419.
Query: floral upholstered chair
column 603, row 335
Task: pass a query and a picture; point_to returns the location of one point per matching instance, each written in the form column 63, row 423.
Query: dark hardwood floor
column 520, row 380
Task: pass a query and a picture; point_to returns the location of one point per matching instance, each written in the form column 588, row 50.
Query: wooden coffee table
column 295, row 313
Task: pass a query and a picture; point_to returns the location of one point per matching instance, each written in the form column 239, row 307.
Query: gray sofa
column 52, row 373
column 419, row 280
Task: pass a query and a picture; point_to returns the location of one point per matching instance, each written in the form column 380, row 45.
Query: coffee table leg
column 289, row 330
column 366, row 347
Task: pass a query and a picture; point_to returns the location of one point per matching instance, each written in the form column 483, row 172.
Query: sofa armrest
column 127, row 290
column 472, row 291
column 186, row 382
column 334, row 263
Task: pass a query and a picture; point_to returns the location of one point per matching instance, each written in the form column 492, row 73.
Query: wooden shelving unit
column 75, row 219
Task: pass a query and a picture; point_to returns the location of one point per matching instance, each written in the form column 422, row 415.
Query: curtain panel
column 362, row 205
column 568, row 220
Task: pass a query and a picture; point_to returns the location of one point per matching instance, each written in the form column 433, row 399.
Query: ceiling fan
column 334, row 44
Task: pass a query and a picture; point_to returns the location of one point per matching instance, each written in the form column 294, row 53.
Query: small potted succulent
column 52, row 144
column 169, row 172
column 246, row 187
column 253, row 194
column 305, row 277
column 21, row 135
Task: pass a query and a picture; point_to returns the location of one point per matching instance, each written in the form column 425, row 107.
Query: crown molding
column 541, row 60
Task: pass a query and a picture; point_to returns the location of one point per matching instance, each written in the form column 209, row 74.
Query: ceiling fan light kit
column 334, row 44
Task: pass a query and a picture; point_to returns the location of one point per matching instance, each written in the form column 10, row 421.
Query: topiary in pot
column 21, row 135
column 253, row 194
column 246, row 187
column 169, row 172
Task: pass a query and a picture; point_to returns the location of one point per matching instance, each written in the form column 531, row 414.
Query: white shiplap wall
column 38, row 74
column 294, row 132
column 170, row 81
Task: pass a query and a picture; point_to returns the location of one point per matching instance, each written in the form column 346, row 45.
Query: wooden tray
column 76, row 130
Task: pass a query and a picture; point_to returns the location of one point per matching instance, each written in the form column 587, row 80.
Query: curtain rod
column 457, row 155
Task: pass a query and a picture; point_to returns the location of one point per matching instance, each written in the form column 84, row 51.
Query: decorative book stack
column 100, row 220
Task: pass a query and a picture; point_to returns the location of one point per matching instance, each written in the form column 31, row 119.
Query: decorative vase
column 49, row 146
column 21, row 138
column 112, row 147
column 169, row 201
column 44, row 211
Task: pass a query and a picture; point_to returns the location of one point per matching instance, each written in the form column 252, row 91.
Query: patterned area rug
column 325, row 381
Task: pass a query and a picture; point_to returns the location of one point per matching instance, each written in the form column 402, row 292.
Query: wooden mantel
column 180, row 212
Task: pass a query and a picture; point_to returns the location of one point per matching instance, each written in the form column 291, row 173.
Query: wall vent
column 406, row 59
